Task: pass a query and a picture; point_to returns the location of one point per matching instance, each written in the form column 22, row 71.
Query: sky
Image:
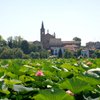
column 67, row 18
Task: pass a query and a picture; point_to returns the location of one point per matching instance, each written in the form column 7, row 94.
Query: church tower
column 45, row 38
column 42, row 33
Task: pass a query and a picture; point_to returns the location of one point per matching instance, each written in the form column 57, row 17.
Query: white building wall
column 56, row 50
column 85, row 53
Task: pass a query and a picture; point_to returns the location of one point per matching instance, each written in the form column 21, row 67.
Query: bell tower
column 42, row 32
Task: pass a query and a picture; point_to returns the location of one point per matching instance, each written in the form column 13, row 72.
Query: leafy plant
column 49, row 79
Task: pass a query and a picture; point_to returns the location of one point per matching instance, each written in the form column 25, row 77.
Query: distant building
column 55, row 44
column 71, row 47
column 93, row 45
column 85, row 53
column 45, row 38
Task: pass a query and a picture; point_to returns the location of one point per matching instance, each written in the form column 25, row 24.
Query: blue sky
column 67, row 18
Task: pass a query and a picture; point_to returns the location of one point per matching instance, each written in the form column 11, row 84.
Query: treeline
column 17, row 47
column 77, row 54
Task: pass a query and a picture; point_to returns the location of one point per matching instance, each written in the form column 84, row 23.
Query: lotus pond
column 50, row 79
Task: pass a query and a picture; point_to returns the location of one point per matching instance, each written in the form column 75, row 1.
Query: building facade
column 45, row 37
column 93, row 45
column 50, row 42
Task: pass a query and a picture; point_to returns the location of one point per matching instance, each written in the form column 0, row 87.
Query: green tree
column 92, row 53
column 32, row 48
column 68, row 54
column 35, row 55
column 2, row 42
column 35, row 47
column 78, row 52
column 14, row 42
column 77, row 39
column 17, row 53
column 25, row 46
column 60, row 53
column 97, row 53
column 17, row 41
column 10, row 41
column 44, row 54
column 7, row 53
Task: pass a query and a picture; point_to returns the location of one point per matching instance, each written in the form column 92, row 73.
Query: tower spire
column 42, row 32
column 54, row 34
column 42, row 27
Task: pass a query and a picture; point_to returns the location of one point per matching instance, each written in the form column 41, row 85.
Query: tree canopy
column 76, row 39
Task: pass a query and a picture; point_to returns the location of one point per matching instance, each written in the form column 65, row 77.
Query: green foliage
column 18, row 53
column 35, row 55
column 16, row 47
column 68, row 54
column 54, row 94
column 14, row 42
column 25, row 46
column 35, row 47
column 76, row 39
column 6, row 53
column 10, row 42
column 97, row 53
column 60, row 53
column 11, row 53
column 44, row 54
column 19, row 79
